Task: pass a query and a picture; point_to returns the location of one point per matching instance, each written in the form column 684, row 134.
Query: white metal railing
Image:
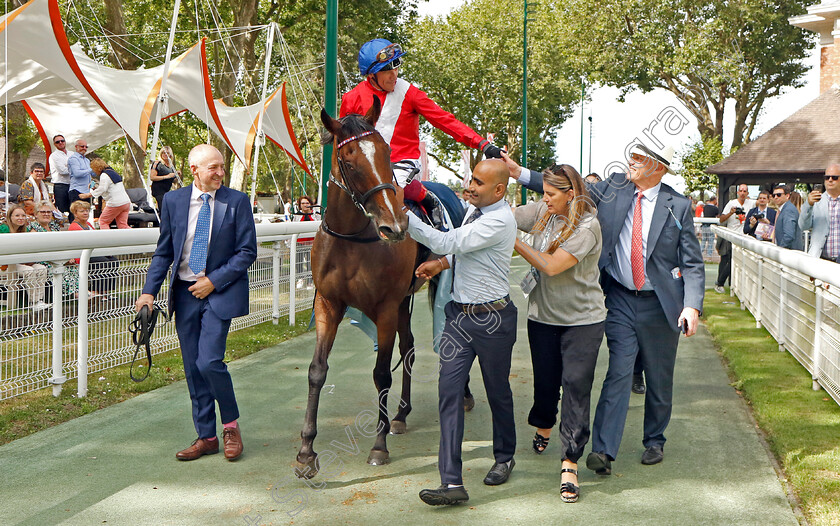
column 795, row 297
column 85, row 329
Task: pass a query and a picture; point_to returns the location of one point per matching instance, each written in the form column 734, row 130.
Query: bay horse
column 362, row 258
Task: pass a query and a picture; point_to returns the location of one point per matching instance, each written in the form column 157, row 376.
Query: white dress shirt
column 196, row 202
column 482, row 248
column 622, row 270
column 59, row 172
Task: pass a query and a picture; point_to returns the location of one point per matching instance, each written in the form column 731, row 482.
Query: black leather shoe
column 499, row 473
column 638, row 384
column 652, row 455
column 444, row 495
column 599, row 463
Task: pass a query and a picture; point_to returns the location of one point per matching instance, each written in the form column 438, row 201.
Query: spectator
column 821, row 215
column 104, row 267
column 710, row 209
column 733, row 215
column 564, row 337
column 304, row 204
column 163, row 174
column 46, row 221
column 796, row 199
column 112, row 190
column 760, row 215
column 787, row 232
column 698, row 207
column 80, row 174
column 34, row 189
column 34, row 275
column 593, row 178
column 60, row 174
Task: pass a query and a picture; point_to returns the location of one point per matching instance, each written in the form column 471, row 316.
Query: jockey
column 402, row 105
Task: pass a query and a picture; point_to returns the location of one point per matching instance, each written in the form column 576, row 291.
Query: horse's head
column 361, row 167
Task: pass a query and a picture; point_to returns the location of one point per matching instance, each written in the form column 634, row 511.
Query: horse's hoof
column 397, row 427
column 469, row 403
column 306, row 470
column 378, row 457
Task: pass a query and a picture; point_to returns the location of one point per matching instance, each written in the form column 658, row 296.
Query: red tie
column 637, row 255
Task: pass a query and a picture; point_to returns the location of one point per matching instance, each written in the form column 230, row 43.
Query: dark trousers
column 203, row 336
column 725, row 268
column 635, row 325
column 490, row 336
column 62, row 197
column 564, row 356
column 104, row 273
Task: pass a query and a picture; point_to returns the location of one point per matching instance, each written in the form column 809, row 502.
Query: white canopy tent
column 68, row 93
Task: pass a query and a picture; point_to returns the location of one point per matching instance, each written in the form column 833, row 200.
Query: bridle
column 348, row 188
column 345, row 186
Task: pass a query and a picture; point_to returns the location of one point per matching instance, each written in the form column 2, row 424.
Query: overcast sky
column 616, row 124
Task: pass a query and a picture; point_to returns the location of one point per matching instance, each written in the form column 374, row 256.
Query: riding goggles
column 385, row 55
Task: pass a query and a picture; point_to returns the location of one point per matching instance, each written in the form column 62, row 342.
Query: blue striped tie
column 198, row 254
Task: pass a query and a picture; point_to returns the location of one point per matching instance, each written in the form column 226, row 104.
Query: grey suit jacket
column 788, row 234
column 815, row 219
column 671, row 241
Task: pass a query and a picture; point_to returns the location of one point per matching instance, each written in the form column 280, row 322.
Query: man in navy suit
column 653, row 278
column 207, row 237
column 787, row 231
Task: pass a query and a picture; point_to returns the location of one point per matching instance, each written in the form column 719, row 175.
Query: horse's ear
column 372, row 114
column 332, row 125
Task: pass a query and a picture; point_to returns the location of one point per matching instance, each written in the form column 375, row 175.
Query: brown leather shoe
column 199, row 447
column 233, row 442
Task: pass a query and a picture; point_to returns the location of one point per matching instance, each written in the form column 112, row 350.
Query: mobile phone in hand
column 819, row 188
column 684, row 326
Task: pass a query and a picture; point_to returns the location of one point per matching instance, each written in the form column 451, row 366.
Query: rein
column 359, row 202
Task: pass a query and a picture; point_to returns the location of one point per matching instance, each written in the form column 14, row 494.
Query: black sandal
column 568, row 487
column 540, row 443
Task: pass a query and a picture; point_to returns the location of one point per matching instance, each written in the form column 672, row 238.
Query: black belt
column 639, row 293
column 479, row 308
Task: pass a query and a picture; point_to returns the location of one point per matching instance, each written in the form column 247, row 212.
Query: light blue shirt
column 622, row 271
column 80, row 173
column 482, row 248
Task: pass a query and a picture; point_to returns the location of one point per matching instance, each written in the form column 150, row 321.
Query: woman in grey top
column 565, row 312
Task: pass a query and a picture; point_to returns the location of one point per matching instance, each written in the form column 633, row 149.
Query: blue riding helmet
column 377, row 55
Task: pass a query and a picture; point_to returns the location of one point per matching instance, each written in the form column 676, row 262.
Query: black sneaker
column 444, row 495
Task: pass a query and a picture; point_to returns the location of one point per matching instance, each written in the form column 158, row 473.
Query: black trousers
column 489, row 336
column 62, row 197
column 725, row 268
column 105, row 269
column 564, row 356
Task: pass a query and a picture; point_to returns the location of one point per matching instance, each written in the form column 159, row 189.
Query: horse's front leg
column 398, row 425
column 327, row 317
column 386, row 329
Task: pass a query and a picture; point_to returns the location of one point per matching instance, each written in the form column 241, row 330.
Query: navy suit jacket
column 233, row 248
column 669, row 246
column 788, row 234
column 770, row 214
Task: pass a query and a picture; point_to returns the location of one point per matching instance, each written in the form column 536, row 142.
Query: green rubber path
column 117, row 466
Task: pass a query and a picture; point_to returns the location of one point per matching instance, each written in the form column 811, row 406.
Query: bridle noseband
column 345, row 185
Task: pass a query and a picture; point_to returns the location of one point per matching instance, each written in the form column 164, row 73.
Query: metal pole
column 275, row 282
column 524, row 193
column 84, row 266
column 330, row 99
column 590, row 145
column 260, row 137
column 162, row 96
column 58, row 377
column 582, row 93
column 292, row 278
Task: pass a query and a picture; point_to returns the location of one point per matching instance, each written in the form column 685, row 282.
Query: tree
column 470, row 62
column 706, row 52
column 695, row 159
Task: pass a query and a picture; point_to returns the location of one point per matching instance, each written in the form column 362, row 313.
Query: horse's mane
column 353, row 124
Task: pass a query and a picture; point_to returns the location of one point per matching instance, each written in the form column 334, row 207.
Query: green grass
column 33, row 412
column 802, row 426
